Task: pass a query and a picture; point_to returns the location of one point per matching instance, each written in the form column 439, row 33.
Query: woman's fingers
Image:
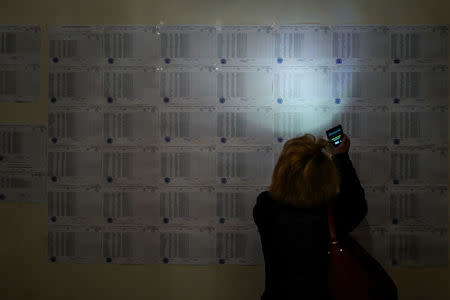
column 346, row 140
column 343, row 146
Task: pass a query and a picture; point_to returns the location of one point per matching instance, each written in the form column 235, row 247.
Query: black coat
column 295, row 241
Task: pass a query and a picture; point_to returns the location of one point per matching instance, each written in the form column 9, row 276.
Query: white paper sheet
column 23, row 162
column 20, row 47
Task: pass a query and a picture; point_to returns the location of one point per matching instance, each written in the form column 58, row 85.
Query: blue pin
column 167, row 139
column 55, row 60
column 166, row 220
column 339, row 61
column 108, row 259
column 222, row 100
column 110, row 220
column 53, row 219
column 394, row 221
column 110, row 60
column 1, row 158
column 394, row 262
column 222, row 220
column 396, row 101
column 54, row 178
column 396, row 141
column 223, row 180
column 396, row 61
column 279, row 60
column 223, row 140
column 53, row 258
column 223, row 61
column 221, row 261
column 280, row 140
column 2, row 197
column 54, row 140
column 110, row 99
column 280, row 100
column 53, row 100
column 165, row 260
column 337, row 100
column 166, row 99
column 109, row 140
column 109, row 179
column 167, row 180
column 396, row 181
column 167, row 60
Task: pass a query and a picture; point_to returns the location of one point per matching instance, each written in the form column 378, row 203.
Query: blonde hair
column 305, row 175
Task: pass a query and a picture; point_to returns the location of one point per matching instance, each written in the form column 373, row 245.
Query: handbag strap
column 331, row 224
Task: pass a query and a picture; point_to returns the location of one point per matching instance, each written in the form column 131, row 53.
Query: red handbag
column 353, row 273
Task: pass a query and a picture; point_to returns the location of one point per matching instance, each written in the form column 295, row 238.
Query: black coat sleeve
column 350, row 205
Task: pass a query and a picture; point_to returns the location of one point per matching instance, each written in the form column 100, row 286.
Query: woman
column 292, row 218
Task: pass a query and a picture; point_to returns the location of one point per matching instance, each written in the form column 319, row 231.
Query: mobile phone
column 335, row 135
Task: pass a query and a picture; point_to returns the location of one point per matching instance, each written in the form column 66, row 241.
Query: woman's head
column 305, row 175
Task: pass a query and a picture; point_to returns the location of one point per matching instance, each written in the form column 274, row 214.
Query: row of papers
column 214, row 48
column 159, row 138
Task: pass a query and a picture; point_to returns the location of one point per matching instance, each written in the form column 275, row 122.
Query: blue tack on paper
column 53, row 219
column 223, row 140
column 54, row 178
column 110, row 220
column 396, row 141
column 221, row 261
column 167, row 60
column 280, row 140
column 109, row 179
column 337, row 100
column 54, row 140
column 339, row 61
column 279, row 60
column 165, row 260
column 166, row 220
column 394, row 221
column 167, row 139
column 395, row 181
column 110, row 99
column 223, row 61
column 396, row 100
column 167, row 180
column 396, row 61
column 1, row 158
column 53, row 100
column 222, row 100
column 2, row 197
column 109, row 140
column 53, row 258
column 110, row 60
column 55, row 60
column 222, row 220
column 223, row 180
column 279, row 100
column 166, row 99
column 108, row 259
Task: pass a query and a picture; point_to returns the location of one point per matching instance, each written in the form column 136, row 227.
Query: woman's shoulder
column 265, row 199
column 263, row 196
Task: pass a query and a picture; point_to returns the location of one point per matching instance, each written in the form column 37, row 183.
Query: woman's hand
column 343, row 146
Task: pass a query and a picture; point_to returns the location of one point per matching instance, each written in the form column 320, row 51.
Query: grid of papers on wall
column 161, row 137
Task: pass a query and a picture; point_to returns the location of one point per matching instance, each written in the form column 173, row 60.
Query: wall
column 24, row 271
